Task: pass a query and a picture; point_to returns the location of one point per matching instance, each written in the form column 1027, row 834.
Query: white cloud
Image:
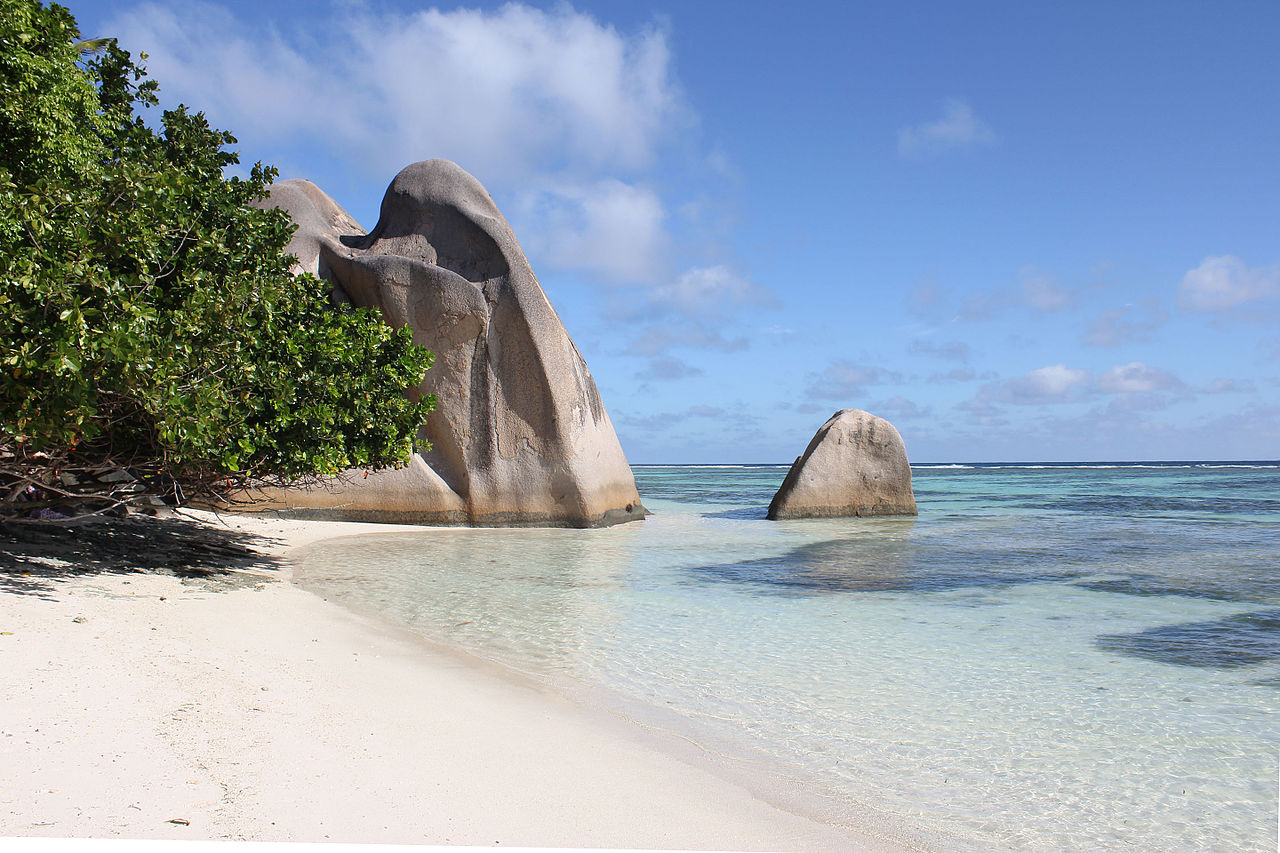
column 958, row 128
column 607, row 227
column 1136, row 378
column 1046, row 384
column 561, row 115
column 705, row 292
column 505, row 93
column 1222, row 282
column 1134, row 386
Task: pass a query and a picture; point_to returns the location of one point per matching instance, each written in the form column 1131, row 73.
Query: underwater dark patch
column 742, row 513
column 1144, row 585
column 1148, row 505
column 877, row 565
column 1236, row 641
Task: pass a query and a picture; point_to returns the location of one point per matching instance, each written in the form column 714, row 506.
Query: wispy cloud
column 1124, row 325
column 900, row 408
column 959, row 128
column 1223, row 282
column 1036, row 291
column 926, row 300
column 1230, row 386
column 983, row 305
column 1040, row 292
column 844, row 381
column 945, row 350
column 959, row 374
column 700, row 309
column 660, row 421
column 659, row 339
column 666, row 369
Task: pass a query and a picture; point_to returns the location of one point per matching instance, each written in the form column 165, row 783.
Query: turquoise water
column 1048, row 658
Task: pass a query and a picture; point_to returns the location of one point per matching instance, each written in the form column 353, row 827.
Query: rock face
column 520, row 435
column 856, row 464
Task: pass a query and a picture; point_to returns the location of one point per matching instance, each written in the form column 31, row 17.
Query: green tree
column 149, row 322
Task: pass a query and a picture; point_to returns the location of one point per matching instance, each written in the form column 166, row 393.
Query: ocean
column 1050, row 657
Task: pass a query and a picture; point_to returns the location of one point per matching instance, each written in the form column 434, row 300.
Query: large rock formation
column 520, row 435
column 856, row 464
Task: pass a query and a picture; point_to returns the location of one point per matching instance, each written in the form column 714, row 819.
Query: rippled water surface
column 1049, row 657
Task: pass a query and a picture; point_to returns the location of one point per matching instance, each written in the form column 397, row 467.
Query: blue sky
column 1019, row 231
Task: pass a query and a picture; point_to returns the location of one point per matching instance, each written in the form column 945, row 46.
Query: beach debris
column 80, row 619
column 180, row 821
column 6, row 633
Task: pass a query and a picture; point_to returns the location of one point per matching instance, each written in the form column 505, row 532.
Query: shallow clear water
column 1048, row 658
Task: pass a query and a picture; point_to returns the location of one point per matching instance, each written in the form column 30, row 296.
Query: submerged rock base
column 856, row 465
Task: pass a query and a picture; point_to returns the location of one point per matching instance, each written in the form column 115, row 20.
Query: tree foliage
column 149, row 322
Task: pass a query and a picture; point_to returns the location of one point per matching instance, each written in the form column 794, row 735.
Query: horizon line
column 1059, row 462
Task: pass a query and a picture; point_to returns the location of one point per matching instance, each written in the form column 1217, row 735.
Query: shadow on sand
column 34, row 556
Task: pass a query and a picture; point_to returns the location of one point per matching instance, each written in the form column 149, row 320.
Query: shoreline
column 255, row 710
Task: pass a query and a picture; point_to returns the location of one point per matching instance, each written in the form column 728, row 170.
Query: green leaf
column 146, row 308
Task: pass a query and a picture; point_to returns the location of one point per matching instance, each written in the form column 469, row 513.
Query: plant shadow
column 34, row 557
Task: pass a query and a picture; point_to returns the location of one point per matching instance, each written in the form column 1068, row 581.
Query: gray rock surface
column 520, row 435
column 856, row 465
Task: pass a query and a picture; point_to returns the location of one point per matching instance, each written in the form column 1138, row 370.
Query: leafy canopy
column 148, row 317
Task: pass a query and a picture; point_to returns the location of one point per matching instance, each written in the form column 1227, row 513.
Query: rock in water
column 856, row 464
column 520, row 435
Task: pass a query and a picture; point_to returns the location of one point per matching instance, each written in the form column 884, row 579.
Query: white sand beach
column 241, row 707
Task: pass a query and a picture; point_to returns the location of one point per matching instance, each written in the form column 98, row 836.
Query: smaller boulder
column 856, row 465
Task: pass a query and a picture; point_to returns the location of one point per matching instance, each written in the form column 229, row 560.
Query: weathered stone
column 856, row 465
column 520, row 435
